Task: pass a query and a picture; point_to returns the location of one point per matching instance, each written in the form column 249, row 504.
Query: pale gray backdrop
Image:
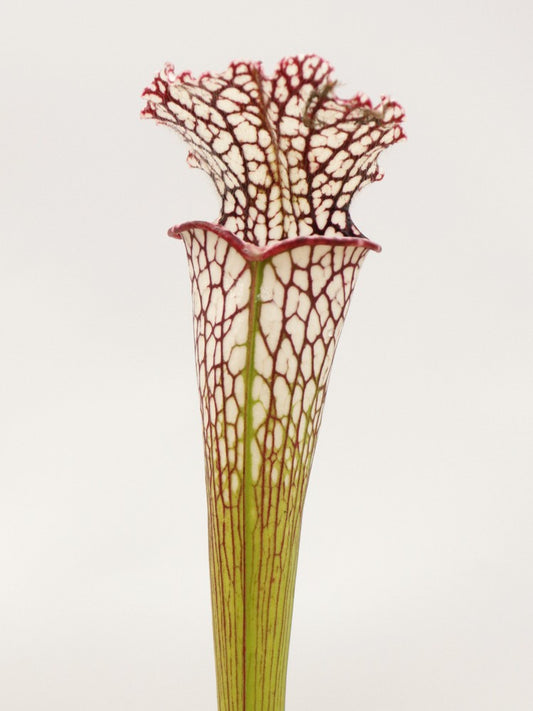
column 415, row 584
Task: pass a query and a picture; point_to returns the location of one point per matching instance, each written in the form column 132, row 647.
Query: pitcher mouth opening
column 256, row 253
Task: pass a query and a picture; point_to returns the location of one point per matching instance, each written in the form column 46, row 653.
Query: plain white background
column 415, row 583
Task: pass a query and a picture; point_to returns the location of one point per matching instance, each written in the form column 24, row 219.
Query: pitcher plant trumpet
column 271, row 284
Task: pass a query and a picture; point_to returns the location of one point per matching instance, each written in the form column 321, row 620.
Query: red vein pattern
column 286, row 155
column 271, row 284
column 266, row 331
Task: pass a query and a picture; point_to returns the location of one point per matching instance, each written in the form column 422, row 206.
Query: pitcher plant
column 271, row 279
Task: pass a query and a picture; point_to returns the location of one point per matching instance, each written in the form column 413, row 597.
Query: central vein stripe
column 250, row 514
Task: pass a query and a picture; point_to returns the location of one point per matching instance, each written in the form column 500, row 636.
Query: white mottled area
column 301, row 296
column 294, row 351
column 221, row 283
